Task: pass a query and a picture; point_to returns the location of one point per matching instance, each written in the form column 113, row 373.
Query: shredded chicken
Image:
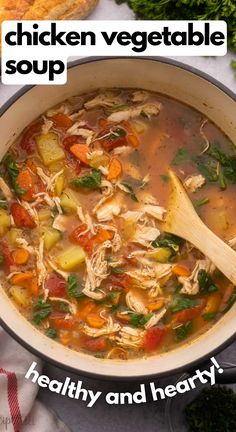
column 130, row 337
column 106, row 100
column 145, row 235
column 32, row 212
column 139, row 96
column 72, row 306
column 97, row 271
column 21, row 242
column 154, row 320
column 60, row 223
column 135, row 303
column 65, row 275
column 76, row 129
column 64, row 109
column 108, row 210
column 194, row 182
column 151, row 108
column 110, row 328
column 47, row 125
column 154, row 211
column 6, row 190
column 41, row 269
column 190, row 283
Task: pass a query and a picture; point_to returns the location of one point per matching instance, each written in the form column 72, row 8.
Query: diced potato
column 14, row 233
column 51, row 238
column 71, row 258
column 69, row 200
column 99, row 160
column 49, row 148
column 162, row 255
column 5, row 221
column 44, row 214
column 56, row 166
column 20, row 295
column 60, row 184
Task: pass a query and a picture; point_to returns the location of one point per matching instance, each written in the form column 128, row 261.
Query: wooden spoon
column 183, row 221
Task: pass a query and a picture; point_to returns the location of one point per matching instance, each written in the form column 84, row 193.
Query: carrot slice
column 180, row 270
column 26, row 182
column 22, row 278
column 31, row 165
column 115, row 169
column 155, row 305
column 62, row 121
column 94, row 320
column 21, row 216
column 86, row 309
column 21, row 256
column 103, row 235
column 132, row 137
column 34, row 286
column 80, row 151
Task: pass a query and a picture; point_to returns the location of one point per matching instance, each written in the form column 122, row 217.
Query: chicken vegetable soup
column 83, row 196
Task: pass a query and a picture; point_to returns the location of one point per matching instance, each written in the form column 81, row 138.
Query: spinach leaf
column 200, row 202
column 13, row 172
column 51, row 333
column 183, row 331
column 165, row 178
column 182, row 156
column 139, row 320
column 130, row 191
column 170, row 241
column 42, row 310
column 207, row 168
column 205, row 282
column 209, row 316
column 74, row 287
column 230, row 302
column 91, row 181
column 182, row 303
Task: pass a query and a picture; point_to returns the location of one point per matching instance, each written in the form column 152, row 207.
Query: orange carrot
column 132, row 137
column 65, row 337
column 180, row 270
column 22, row 278
column 155, row 305
column 26, row 182
column 94, row 320
column 86, row 309
column 80, row 151
column 62, row 121
column 123, row 317
column 31, row 165
column 21, row 256
column 102, row 235
column 115, row 169
column 34, row 286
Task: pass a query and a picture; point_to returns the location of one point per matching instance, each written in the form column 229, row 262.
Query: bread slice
column 45, row 9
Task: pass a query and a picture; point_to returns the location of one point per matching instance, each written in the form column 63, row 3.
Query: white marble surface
column 134, row 418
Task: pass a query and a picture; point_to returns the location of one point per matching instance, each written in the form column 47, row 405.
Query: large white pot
column 160, row 75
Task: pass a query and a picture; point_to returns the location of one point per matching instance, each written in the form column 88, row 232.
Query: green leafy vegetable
column 209, row 316
column 186, row 9
column 165, row 178
column 91, row 181
column 230, row 302
column 205, row 282
column 42, row 310
column 130, row 191
column 143, row 114
column 182, row 303
column 200, row 202
column 64, row 307
column 13, row 172
column 117, row 270
column 207, row 168
column 74, row 288
column 183, row 331
column 118, row 132
column 51, row 333
column 139, row 320
column 182, row 156
column 213, row 410
column 168, row 241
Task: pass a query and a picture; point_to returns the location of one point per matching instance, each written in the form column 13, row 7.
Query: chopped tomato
column 82, row 238
column 61, row 121
column 98, row 344
column 27, row 142
column 21, row 216
column 7, row 256
column 108, row 143
column 26, row 181
column 56, row 285
column 189, row 314
column 60, row 322
column 119, row 281
column 103, row 235
column 69, row 141
column 153, row 338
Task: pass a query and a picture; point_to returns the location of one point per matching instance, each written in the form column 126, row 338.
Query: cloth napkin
column 19, row 409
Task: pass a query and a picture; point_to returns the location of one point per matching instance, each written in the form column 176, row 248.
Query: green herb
column 165, row 178
column 41, row 304
column 118, row 132
column 213, row 410
column 182, row 156
column 3, row 205
column 200, row 202
column 51, row 333
column 207, row 168
column 74, row 287
column 184, row 9
column 183, row 331
column 130, row 191
column 170, row 241
column 139, row 320
column 230, row 302
column 64, row 307
column 117, row 270
column 42, row 310
column 1, row 259
column 143, row 114
column 13, row 172
column 227, row 167
column 91, row 181
column 205, row 282
column 182, row 303
column 209, row 316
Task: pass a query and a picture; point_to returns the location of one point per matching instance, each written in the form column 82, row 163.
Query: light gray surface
column 147, row 417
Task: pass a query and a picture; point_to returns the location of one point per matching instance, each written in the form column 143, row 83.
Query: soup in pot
column 83, row 197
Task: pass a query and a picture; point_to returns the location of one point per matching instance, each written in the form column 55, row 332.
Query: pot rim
column 98, row 376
